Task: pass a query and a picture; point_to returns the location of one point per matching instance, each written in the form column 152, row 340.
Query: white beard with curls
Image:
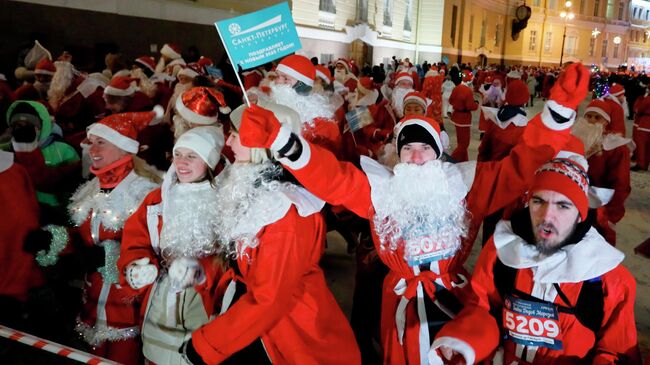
column 308, row 106
column 421, row 201
column 398, row 100
column 590, row 134
column 61, row 81
column 189, row 217
column 247, row 200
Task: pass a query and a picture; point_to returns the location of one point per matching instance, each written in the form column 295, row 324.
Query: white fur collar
column 368, row 99
column 589, row 258
column 491, row 114
column 612, row 141
column 113, row 208
column 6, row 160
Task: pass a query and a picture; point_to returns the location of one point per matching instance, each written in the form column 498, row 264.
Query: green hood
column 43, row 114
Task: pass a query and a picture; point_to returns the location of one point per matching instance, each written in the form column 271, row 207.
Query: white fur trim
column 417, row 99
column 587, row 259
column 599, row 197
column 6, row 160
column 455, row 344
column 110, row 90
column 302, row 161
column 404, row 77
column 325, row 78
column 177, row 62
column 284, row 134
column 599, row 111
column 169, row 52
column 295, row 74
column 431, row 73
column 435, row 134
column 548, row 120
column 369, row 99
column 191, row 116
column 613, row 141
column 187, row 72
column 24, row 147
column 123, row 142
column 43, row 72
column 618, row 93
column 160, row 112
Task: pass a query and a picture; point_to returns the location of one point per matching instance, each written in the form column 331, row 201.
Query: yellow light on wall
column 617, row 40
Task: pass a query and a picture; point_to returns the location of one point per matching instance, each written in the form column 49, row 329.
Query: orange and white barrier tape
column 53, row 347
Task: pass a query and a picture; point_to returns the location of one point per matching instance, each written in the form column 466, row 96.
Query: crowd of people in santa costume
column 157, row 218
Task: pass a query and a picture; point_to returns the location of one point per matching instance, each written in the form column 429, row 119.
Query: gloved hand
column 25, row 133
column 185, row 272
column 140, row 273
column 189, row 353
column 571, row 87
column 259, row 127
column 37, row 240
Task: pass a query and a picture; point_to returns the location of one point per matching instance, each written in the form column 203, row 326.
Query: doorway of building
column 482, row 60
column 361, row 53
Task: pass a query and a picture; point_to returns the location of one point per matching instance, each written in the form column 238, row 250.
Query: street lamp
column 566, row 15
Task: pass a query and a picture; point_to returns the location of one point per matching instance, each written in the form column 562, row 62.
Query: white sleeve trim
column 302, row 161
column 457, row 345
column 281, row 139
column 24, row 147
column 548, row 120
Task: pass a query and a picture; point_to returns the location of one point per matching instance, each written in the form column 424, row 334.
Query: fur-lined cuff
column 564, row 112
column 455, row 344
column 303, row 159
column 24, row 147
column 281, row 140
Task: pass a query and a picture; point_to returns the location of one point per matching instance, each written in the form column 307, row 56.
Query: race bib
column 423, row 250
column 532, row 323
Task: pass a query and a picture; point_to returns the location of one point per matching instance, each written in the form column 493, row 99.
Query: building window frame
column 532, row 40
column 548, row 38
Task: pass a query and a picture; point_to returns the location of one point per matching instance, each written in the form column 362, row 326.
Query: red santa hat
column 488, row 79
column 365, row 84
column 298, row 67
column 45, row 67
column 190, row 70
column 601, row 107
column 206, row 141
column 403, row 76
column 567, row 177
column 122, row 129
column 324, row 73
column 433, row 71
column 345, row 63
column 517, row 93
column 121, row 86
column 417, row 128
column 416, row 97
column 172, row 51
column 616, row 89
column 147, row 62
column 205, row 61
column 201, row 105
column 467, row 76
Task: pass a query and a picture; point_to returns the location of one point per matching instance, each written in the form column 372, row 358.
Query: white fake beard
column 308, row 106
column 591, row 136
column 420, row 201
column 398, row 100
column 242, row 189
column 340, row 75
column 189, row 230
column 61, row 81
column 146, row 86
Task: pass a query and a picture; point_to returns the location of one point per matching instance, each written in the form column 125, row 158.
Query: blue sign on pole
column 259, row 37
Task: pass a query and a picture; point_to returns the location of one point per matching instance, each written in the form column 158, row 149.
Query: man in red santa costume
column 37, row 91
column 343, row 75
column 171, row 60
column 618, row 109
column 276, row 306
column 109, row 318
column 609, row 164
column 403, row 86
column 418, row 211
column 169, row 247
column 548, row 289
column 123, row 95
column 641, row 133
column 432, row 89
column 293, row 88
column 324, row 85
column 463, row 103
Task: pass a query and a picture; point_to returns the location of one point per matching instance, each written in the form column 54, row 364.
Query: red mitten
column 571, row 87
column 259, row 127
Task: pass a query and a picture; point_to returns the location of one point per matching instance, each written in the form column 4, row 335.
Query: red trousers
column 642, row 141
column 462, row 144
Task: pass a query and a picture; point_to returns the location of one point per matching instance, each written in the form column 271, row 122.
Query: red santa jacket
column 500, row 137
column 476, row 334
column 642, row 113
column 18, row 270
column 324, row 132
column 287, row 303
column 462, row 100
column 617, row 123
column 490, row 186
column 27, row 91
column 76, row 111
column 383, row 124
column 432, row 88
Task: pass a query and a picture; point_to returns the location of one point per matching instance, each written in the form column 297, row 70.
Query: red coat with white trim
column 497, row 142
column 287, row 303
column 383, row 125
column 432, row 88
column 462, row 100
column 617, row 123
column 491, row 186
column 611, row 169
column 324, row 132
column 475, row 333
